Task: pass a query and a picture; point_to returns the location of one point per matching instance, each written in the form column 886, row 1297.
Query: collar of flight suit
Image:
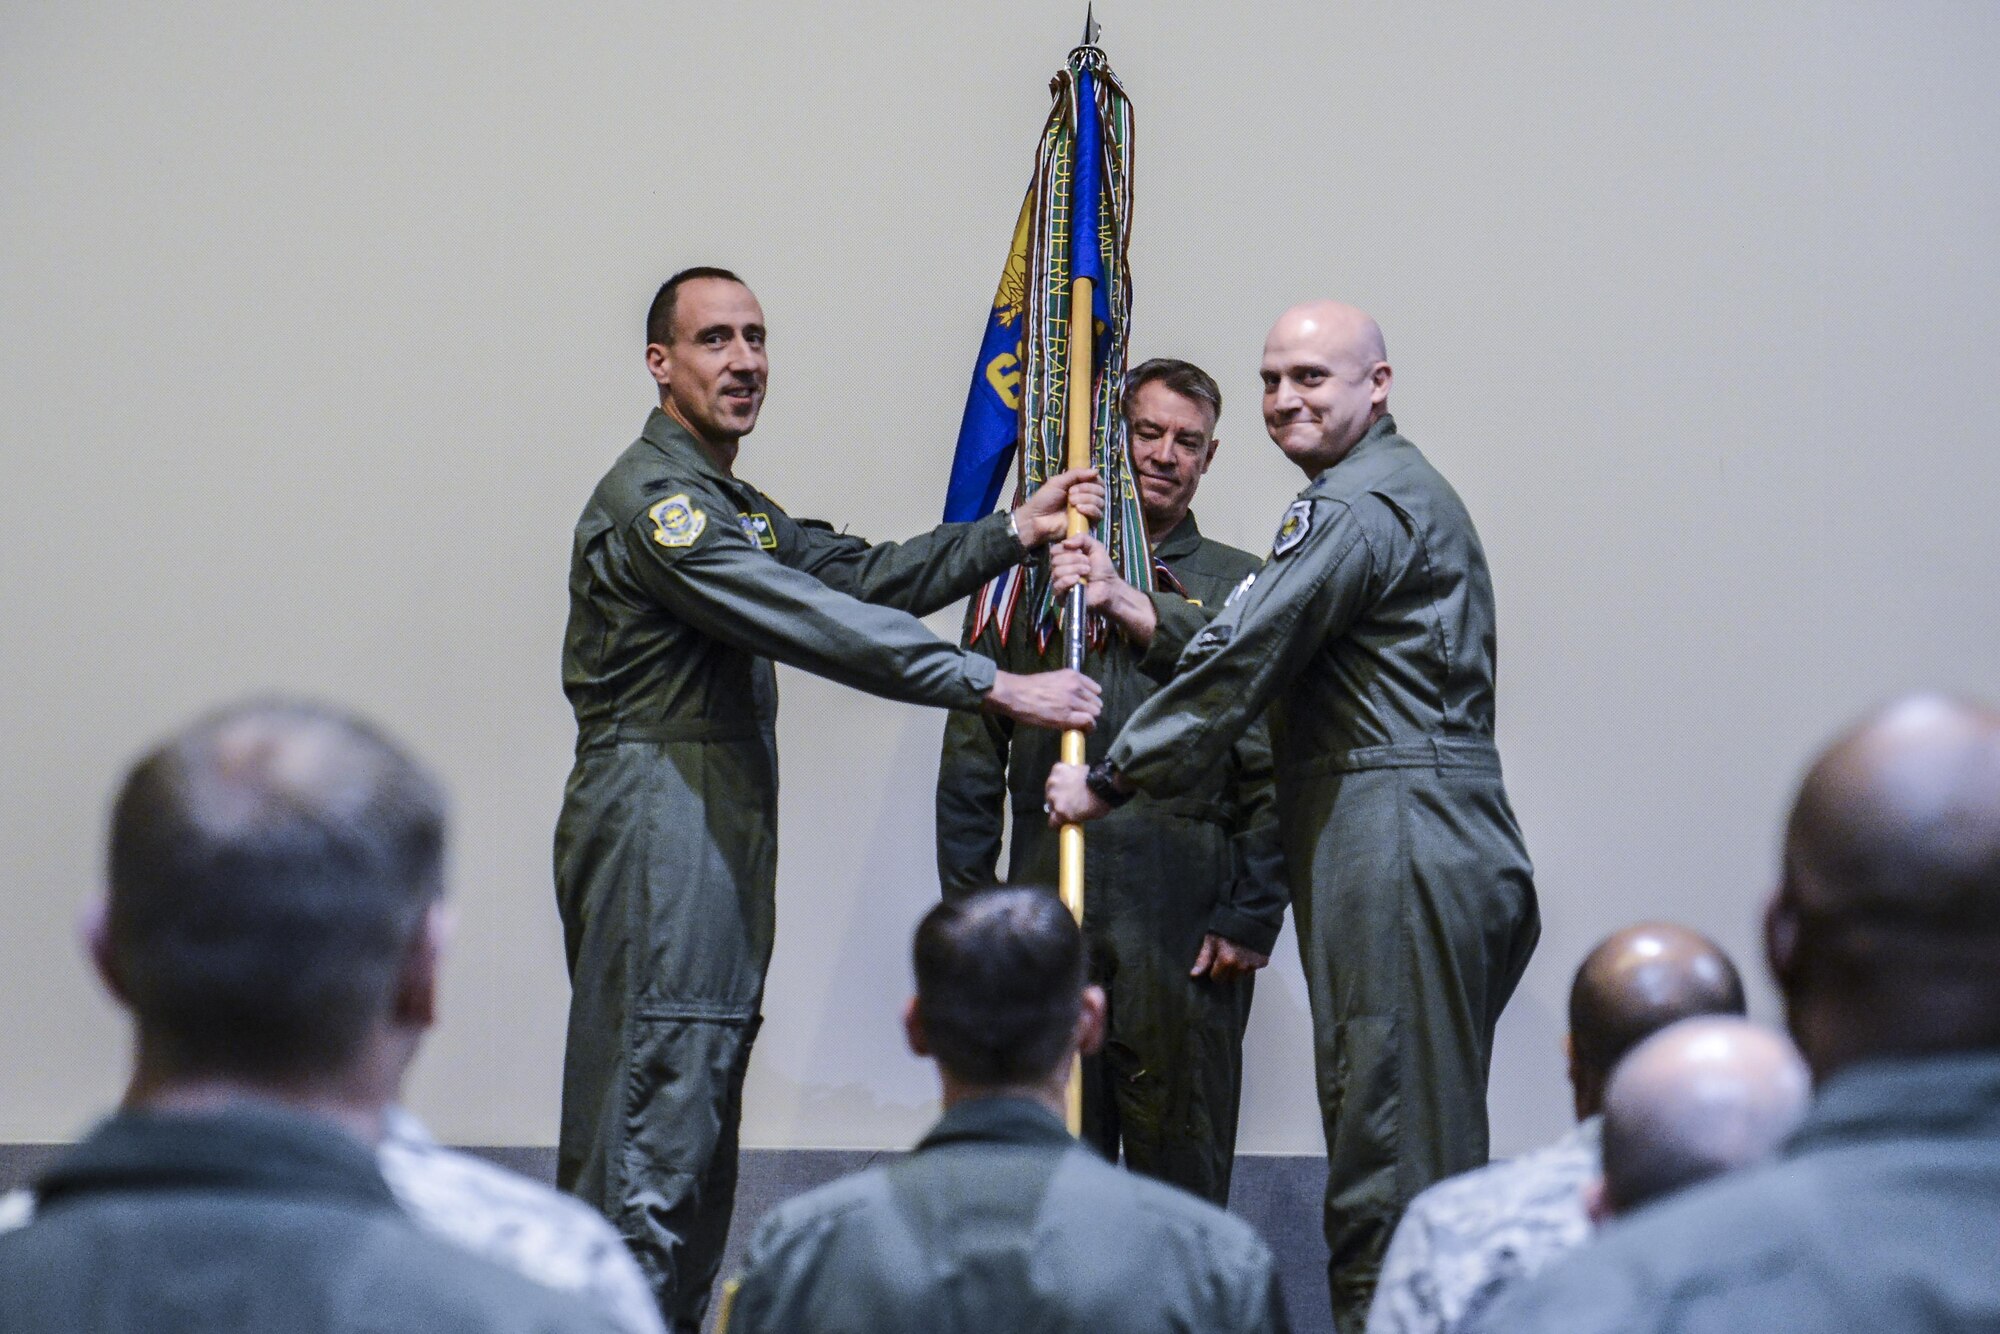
column 1950, row 1096
column 1373, row 456
column 674, row 440
column 253, row 1149
column 1181, row 541
column 998, row 1121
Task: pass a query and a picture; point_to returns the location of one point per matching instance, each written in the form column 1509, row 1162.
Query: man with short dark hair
column 1882, row 1211
column 999, row 1219
column 1695, row 1100
column 1467, row 1239
column 1183, row 899
column 686, row 584
column 273, row 925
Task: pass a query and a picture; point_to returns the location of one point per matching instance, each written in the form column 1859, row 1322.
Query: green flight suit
column 1000, row 1222
column 1369, row 636
column 250, row 1219
column 684, row 583
column 1158, row 876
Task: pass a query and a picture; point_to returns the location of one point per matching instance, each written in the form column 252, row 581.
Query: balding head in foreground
column 1695, row 1100
column 1326, row 381
column 275, row 871
column 1634, row 983
column 1884, row 936
column 1885, row 931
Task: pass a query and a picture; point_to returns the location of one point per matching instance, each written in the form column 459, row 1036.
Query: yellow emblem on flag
column 676, row 522
column 1013, row 293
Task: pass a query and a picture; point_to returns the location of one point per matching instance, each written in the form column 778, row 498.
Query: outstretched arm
column 1233, row 669
column 712, row 575
column 937, row 568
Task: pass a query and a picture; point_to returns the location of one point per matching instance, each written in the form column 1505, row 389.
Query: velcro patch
column 1236, row 593
column 1213, row 637
column 1292, row 529
column 676, row 522
column 757, row 527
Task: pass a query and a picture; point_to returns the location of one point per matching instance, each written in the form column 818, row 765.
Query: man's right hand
column 1057, row 700
column 1083, row 559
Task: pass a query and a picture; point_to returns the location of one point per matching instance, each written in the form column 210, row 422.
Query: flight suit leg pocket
column 1363, row 1142
column 681, row 1105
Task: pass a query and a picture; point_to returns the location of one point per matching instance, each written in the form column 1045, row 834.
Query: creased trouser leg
column 675, row 1181
column 1419, row 919
column 1174, row 1066
column 1167, row 1087
column 665, row 863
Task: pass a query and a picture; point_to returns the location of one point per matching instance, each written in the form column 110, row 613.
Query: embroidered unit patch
column 676, row 522
column 1292, row 529
column 757, row 527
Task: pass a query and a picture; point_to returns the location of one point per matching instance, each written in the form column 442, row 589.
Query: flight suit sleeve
column 920, row 576
column 1177, row 621
column 1251, row 910
column 688, row 554
column 1235, row 667
column 972, row 791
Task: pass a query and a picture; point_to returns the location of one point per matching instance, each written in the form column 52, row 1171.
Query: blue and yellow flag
column 1075, row 223
column 991, row 426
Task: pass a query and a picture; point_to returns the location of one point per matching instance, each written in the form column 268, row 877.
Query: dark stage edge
column 1279, row 1195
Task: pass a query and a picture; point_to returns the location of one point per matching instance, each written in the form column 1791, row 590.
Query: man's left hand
column 1070, row 800
column 1223, row 960
column 1044, row 516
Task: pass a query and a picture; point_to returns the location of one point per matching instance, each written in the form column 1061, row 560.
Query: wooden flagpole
column 1081, row 391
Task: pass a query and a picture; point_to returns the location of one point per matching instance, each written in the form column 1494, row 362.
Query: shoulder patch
column 1212, row 637
column 1236, row 593
column 757, row 527
column 1292, row 529
column 676, row 521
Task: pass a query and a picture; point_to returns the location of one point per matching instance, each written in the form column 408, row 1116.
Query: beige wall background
column 321, row 320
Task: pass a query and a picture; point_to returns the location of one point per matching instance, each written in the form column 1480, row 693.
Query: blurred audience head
column 1001, row 997
column 1699, row 1098
column 274, row 876
column 1634, row 983
column 1884, row 932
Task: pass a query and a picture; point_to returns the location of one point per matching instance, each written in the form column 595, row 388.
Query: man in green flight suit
column 685, row 582
column 998, row 1220
column 1369, row 635
column 1183, row 898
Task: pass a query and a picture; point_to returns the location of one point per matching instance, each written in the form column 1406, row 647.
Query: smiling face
column 1173, row 442
column 1326, row 381
column 713, row 369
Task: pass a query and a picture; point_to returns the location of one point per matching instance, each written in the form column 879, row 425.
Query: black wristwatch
column 1098, row 779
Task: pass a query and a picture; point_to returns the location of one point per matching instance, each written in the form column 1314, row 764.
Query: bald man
column 1882, row 1211
column 1468, row 1239
column 1695, row 1100
column 1369, row 635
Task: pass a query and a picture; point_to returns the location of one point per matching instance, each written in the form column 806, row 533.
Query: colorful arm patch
column 1292, row 529
column 676, row 521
